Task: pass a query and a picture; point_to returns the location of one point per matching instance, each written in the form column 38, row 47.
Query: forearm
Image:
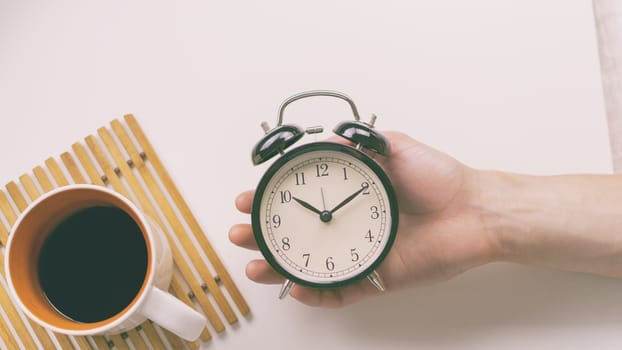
column 571, row 222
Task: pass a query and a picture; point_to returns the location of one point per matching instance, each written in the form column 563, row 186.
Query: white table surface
column 510, row 85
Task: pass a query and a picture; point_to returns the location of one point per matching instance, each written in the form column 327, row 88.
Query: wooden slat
column 193, row 345
column 179, row 292
column 174, row 340
column 63, row 341
column 87, row 164
column 43, row 179
column 187, row 214
column 119, row 342
column 76, row 176
column 29, row 186
column 83, row 343
column 2, row 272
column 101, row 342
column 173, row 220
column 6, row 209
column 150, row 210
column 16, row 195
column 72, row 168
column 7, row 336
column 152, row 335
column 137, row 340
column 4, row 236
column 57, row 174
column 102, row 160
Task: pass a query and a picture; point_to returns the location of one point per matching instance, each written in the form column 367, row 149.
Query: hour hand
column 307, row 205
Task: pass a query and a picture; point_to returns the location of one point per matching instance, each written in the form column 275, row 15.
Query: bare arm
column 569, row 222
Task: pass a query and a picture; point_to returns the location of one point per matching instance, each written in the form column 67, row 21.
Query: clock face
column 324, row 215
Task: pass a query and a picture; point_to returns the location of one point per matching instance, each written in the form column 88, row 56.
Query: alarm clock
column 324, row 214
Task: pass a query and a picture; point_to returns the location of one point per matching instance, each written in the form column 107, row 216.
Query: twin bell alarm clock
column 324, row 214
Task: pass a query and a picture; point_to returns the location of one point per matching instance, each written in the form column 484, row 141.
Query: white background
column 510, row 85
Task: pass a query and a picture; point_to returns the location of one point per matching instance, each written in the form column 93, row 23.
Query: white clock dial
column 325, row 216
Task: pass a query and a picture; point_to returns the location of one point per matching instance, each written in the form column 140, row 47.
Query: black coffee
column 93, row 263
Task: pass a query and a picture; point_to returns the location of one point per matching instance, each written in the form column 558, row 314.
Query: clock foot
column 376, row 280
column 287, row 285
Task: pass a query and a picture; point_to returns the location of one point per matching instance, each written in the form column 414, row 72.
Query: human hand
column 440, row 233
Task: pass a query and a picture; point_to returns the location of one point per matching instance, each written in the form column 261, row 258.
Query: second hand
column 323, row 200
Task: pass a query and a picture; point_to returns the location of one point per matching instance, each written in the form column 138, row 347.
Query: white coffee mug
column 152, row 301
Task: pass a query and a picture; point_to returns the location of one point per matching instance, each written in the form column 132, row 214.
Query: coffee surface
column 93, row 263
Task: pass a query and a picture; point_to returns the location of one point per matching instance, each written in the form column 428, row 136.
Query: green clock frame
column 334, row 147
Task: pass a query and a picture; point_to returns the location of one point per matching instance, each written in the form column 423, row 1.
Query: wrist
column 505, row 213
column 484, row 216
column 568, row 222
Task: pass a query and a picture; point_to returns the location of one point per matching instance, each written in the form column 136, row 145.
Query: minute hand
column 347, row 200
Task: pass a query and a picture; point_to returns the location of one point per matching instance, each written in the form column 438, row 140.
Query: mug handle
column 172, row 314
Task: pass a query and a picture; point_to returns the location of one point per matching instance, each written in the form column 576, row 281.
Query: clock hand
column 323, row 200
column 307, row 205
column 350, row 198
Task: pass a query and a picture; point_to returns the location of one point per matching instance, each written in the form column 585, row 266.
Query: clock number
column 321, row 170
column 365, row 185
column 306, row 256
column 286, row 246
column 369, row 237
column 300, row 179
column 330, row 265
column 286, row 196
column 354, row 254
column 276, row 220
column 345, row 174
column 374, row 212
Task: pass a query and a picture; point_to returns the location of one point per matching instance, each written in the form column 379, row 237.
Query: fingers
column 244, row 200
column 316, row 297
column 261, row 272
column 242, row 235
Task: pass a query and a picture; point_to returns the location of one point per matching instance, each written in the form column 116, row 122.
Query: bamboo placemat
column 122, row 158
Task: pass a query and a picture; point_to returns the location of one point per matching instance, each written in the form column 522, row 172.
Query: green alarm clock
column 324, row 214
